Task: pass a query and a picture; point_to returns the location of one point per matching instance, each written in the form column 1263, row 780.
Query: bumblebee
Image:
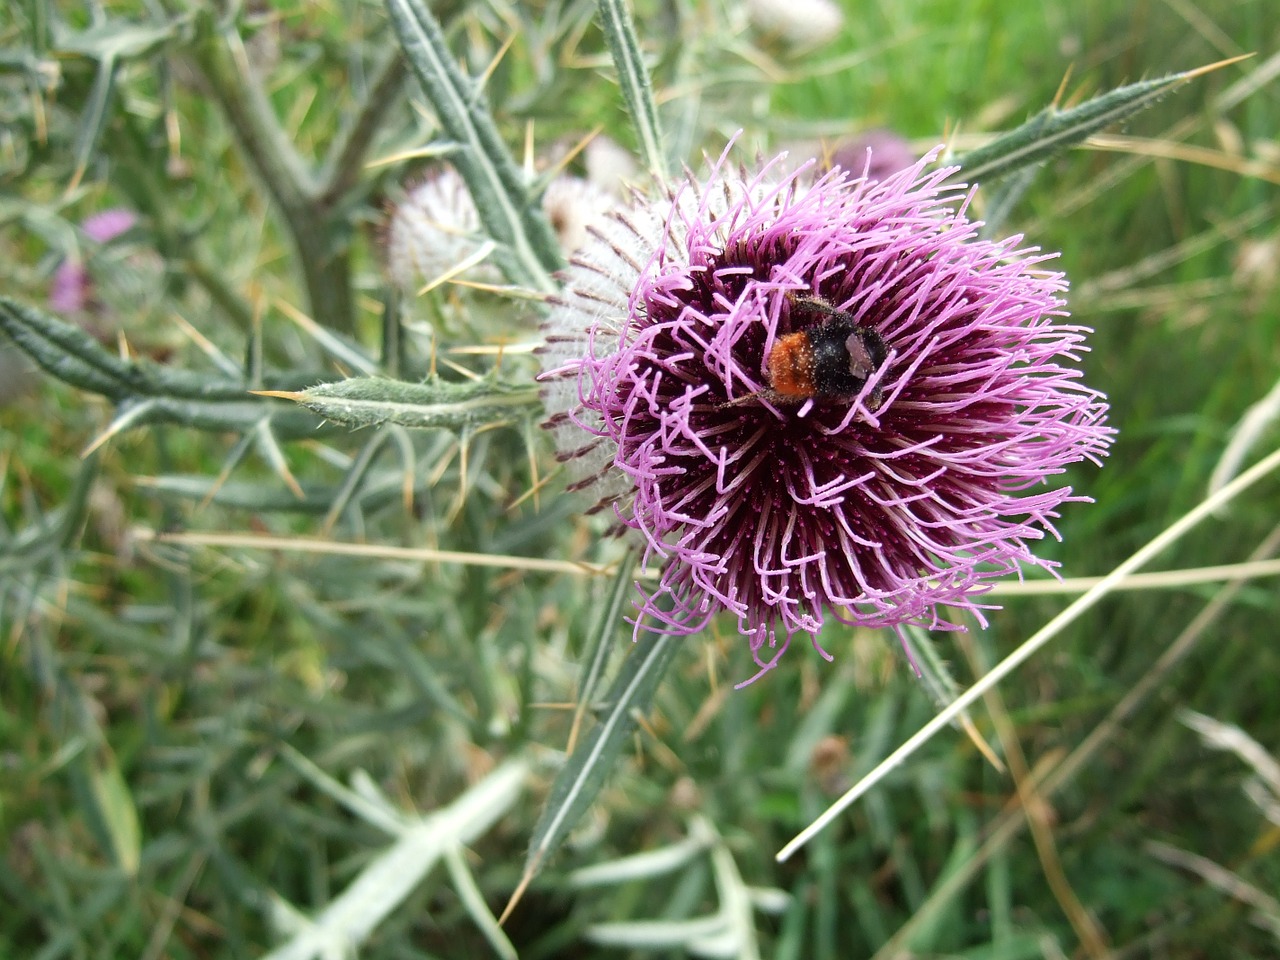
column 833, row 358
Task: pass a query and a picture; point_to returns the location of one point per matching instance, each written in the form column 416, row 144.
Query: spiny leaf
column 119, row 815
column 67, row 352
column 109, row 43
column 935, row 675
column 355, row 479
column 144, row 393
column 57, row 532
column 388, row 878
column 94, row 118
column 367, row 401
column 600, row 645
column 118, row 38
column 1052, row 130
column 529, row 251
column 633, row 77
column 317, row 499
column 585, row 772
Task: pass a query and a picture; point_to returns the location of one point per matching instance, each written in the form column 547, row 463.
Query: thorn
column 980, row 742
column 406, row 493
column 463, row 265
column 76, row 177
column 97, row 442
column 207, row 346
column 295, row 395
column 461, row 370
column 1210, row 67
column 489, row 349
column 431, row 151
column 218, row 483
column 483, row 80
column 579, row 714
column 534, row 490
column 1062, row 87
column 116, row 426
column 530, row 166
column 291, row 482
column 516, row 293
column 518, row 894
column 464, row 447
column 562, row 164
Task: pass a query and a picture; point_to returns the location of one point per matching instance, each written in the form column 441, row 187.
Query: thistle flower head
column 572, row 205
column 686, row 367
column 437, row 226
column 72, row 286
column 800, row 24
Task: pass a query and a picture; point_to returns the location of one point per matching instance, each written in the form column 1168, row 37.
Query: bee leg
column 740, row 401
column 812, row 305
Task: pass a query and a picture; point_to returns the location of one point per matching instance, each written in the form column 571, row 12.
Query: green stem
column 220, row 292
column 347, row 154
column 319, row 237
column 529, row 251
column 633, row 78
column 140, row 174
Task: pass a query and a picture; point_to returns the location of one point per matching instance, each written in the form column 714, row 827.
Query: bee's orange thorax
column 790, row 367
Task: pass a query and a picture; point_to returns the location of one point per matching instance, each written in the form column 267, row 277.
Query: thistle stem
column 317, row 234
column 348, row 151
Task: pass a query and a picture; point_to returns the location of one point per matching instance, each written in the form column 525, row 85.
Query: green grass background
column 154, row 686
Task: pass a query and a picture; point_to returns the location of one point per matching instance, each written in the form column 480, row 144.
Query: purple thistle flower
column 874, row 154
column 71, row 289
column 108, row 224
column 907, row 486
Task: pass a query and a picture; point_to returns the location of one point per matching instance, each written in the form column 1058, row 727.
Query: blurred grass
column 154, row 681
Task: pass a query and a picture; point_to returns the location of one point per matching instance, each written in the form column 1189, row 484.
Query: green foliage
column 365, row 401
column 494, row 181
column 262, row 674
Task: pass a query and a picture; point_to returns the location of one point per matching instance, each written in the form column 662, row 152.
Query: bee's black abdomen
column 844, row 356
column 833, row 358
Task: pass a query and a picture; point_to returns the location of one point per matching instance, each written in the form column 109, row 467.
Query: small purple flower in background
column 72, row 287
column 109, row 224
column 874, row 154
column 823, row 401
